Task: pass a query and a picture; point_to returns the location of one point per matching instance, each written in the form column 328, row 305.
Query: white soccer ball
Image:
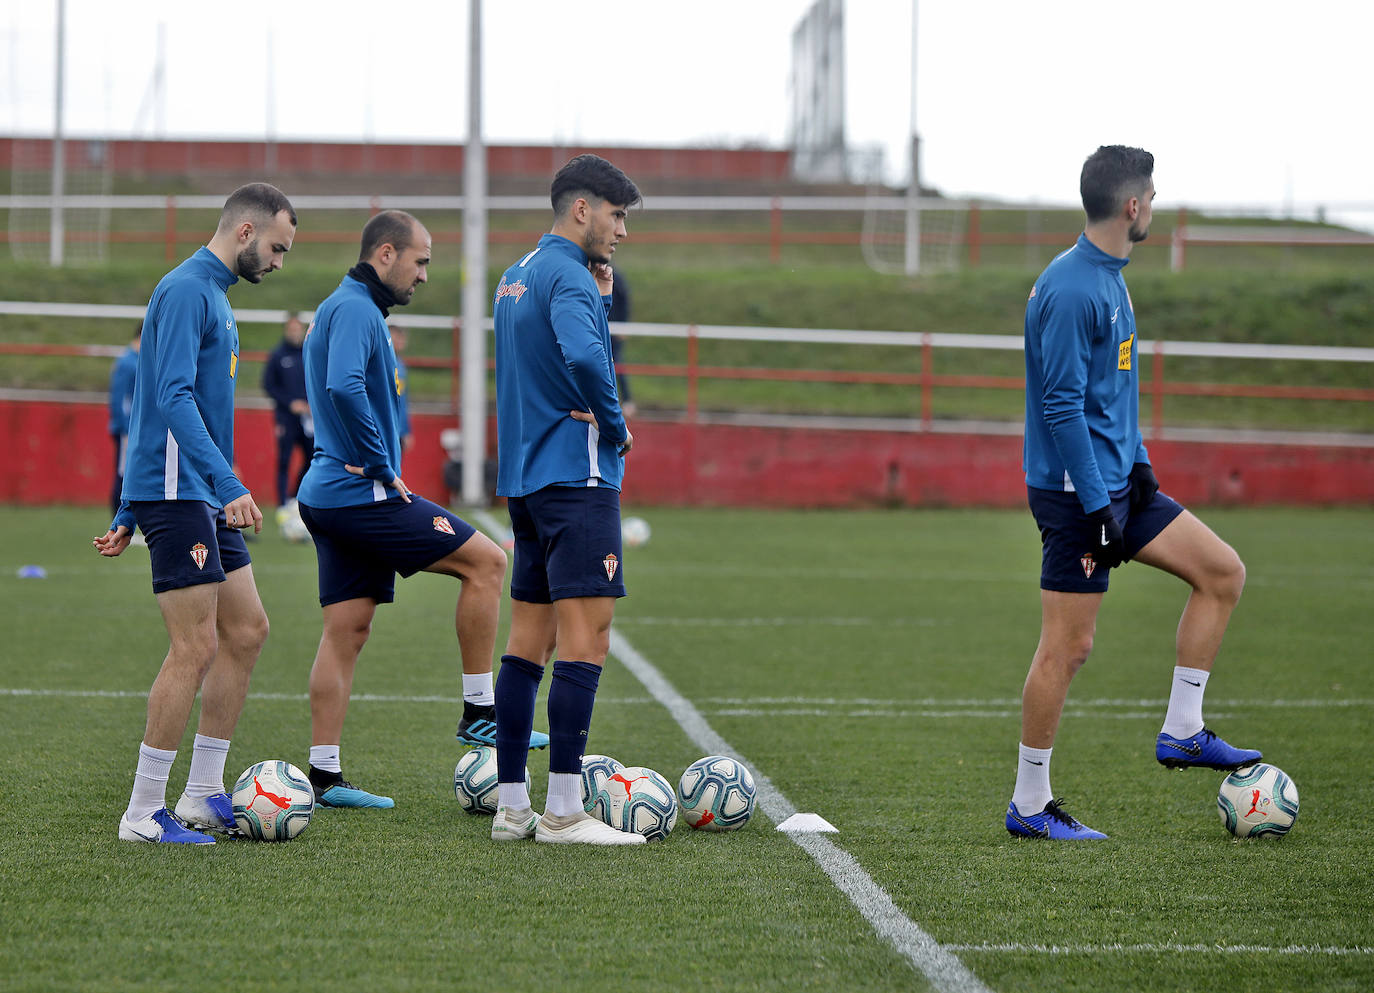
column 293, row 529
column 640, row 800
column 475, row 780
column 716, row 794
column 596, row 769
column 634, row 531
column 273, row 801
column 1258, row 801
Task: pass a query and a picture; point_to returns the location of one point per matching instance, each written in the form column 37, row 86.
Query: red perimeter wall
column 60, row 453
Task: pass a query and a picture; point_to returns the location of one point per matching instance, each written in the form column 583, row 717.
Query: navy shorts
column 567, row 544
column 189, row 542
column 1067, row 536
column 360, row 549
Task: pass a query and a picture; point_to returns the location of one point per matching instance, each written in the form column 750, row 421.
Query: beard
column 402, row 293
column 1137, row 234
column 249, row 263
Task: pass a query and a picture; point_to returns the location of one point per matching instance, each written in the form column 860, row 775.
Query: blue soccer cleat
column 1203, row 750
column 332, row 790
column 161, row 826
column 209, row 813
column 478, row 727
column 1052, row 823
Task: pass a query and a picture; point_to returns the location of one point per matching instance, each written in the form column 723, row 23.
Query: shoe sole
column 1183, row 764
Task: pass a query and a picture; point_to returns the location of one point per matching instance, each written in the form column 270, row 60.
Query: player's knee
column 1228, row 580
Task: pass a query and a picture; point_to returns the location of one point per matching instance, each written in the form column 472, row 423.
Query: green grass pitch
column 868, row 663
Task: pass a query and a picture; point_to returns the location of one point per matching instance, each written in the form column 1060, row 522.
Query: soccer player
column 366, row 523
column 180, row 488
column 561, row 440
column 283, row 379
column 1095, row 498
column 122, row 376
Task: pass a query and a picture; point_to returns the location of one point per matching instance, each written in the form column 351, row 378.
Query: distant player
column 1094, row 495
column 180, row 488
column 561, row 438
column 366, row 523
column 283, row 379
column 122, row 376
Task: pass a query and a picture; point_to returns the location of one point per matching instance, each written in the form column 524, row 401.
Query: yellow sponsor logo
column 1123, row 354
column 233, row 364
column 400, row 383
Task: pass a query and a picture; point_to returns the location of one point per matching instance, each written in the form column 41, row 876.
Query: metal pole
column 473, row 420
column 56, row 232
column 913, row 191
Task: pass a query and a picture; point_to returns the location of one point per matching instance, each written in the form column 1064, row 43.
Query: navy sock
column 571, row 696
column 517, row 684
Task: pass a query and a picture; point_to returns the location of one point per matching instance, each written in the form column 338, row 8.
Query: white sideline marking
column 942, row 968
column 1164, row 949
column 814, row 823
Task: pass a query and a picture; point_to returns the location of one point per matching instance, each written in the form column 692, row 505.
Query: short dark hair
column 391, row 227
column 591, row 175
column 1112, row 174
column 260, row 201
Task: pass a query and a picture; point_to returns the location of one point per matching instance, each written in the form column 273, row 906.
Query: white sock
column 516, row 796
column 477, row 689
column 207, row 766
column 1184, row 718
column 150, row 782
column 325, row 758
column 565, row 794
column 1032, row 780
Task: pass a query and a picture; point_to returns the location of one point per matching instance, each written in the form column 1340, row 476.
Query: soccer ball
column 474, row 780
column 716, row 794
column 1258, row 800
column 293, row 529
column 596, row 769
column 640, row 800
column 273, row 801
column 634, row 531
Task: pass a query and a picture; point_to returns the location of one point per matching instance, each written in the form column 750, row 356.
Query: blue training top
column 352, row 386
column 122, row 378
column 1082, row 379
column 181, row 427
column 553, row 356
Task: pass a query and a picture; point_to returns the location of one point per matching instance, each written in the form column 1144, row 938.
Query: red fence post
column 975, row 240
column 775, row 232
column 1157, row 386
column 692, row 373
column 927, row 379
column 170, row 238
column 1177, row 242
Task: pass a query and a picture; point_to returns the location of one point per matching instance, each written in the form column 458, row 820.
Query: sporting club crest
column 611, row 563
column 199, row 553
column 1088, row 566
column 443, row 524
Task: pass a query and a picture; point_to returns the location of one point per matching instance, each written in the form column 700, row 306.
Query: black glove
column 1143, row 485
column 1108, row 543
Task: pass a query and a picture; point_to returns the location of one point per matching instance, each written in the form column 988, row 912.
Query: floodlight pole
column 913, row 190
column 56, row 232
column 473, row 418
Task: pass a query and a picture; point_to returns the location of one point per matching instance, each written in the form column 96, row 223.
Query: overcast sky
column 1259, row 103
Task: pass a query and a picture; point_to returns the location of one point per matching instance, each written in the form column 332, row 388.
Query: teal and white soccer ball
column 634, row 531
column 273, row 801
column 716, row 794
column 293, row 529
column 475, row 780
column 640, row 800
column 596, row 769
column 1258, row 801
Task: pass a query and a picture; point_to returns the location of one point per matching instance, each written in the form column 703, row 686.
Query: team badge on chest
column 611, row 563
column 199, row 553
